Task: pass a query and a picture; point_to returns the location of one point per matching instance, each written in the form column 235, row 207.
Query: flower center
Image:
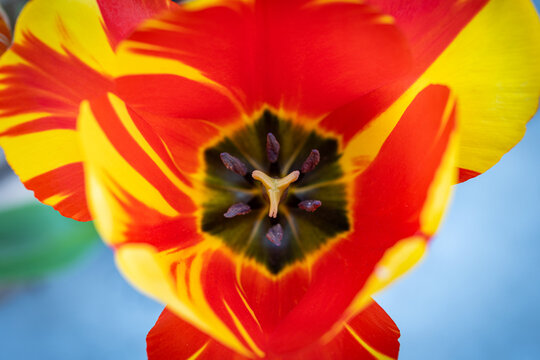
column 275, row 191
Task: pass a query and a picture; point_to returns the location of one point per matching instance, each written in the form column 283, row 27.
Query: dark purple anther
column 310, row 205
column 272, row 148
column 234, row 164
column 237, row 209
column 275, row 234
column 311, row 161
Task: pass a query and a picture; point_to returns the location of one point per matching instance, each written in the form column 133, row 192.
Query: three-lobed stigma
column 275, row 188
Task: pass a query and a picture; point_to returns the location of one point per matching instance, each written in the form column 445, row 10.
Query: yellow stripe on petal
column 363, row 148
column 248, row 307
column 110, row 177
column 112, row 220
column 377, row 355
column 73, row 26
column 55, row 199
column 132, row 62
column 395, row 262
column 440, row 191
column 124, row 116
column 199, row 304
column 198, row 5
column 9, row 122
column 27, row 154
column 324, row 2
column 244, row 332
column 199, row 352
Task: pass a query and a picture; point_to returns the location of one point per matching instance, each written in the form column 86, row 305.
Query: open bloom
column 263, row 167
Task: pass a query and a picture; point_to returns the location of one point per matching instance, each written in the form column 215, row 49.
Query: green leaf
column 35, row 240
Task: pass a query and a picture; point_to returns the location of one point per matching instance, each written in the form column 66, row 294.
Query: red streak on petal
column 466, row 174
column 66, row 180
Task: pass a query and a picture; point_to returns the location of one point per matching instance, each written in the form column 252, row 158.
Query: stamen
column 272, row 148
column 237, row 209
column 310, row 205
column 275, row 234
column 275, row 188
column 233, row 164
column 311, row 162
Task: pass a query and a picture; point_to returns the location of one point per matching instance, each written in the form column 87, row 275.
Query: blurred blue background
column 475, row 296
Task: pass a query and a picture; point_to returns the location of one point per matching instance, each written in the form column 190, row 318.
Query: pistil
column 275, row 188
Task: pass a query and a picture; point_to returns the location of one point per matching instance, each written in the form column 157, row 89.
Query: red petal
column 369, row 334
column 390, row 196
column 304, row 57
column 120, row 17
column 179, row 99
column 173, row 338
column 270, row 299
column 148, row 226
column 326, row 55
column 393, row 189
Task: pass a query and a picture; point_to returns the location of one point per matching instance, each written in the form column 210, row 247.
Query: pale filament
column 275, row 188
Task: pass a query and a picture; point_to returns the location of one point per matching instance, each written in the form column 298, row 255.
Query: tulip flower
column 263, row 167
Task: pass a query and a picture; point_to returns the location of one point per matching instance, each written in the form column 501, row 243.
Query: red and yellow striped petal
column 306, row 57
column 371, row 334
column 185, row 280
column 485, row 51
column 43, row 78
column 400, row 196
column 131, row 179
column 61, row 55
